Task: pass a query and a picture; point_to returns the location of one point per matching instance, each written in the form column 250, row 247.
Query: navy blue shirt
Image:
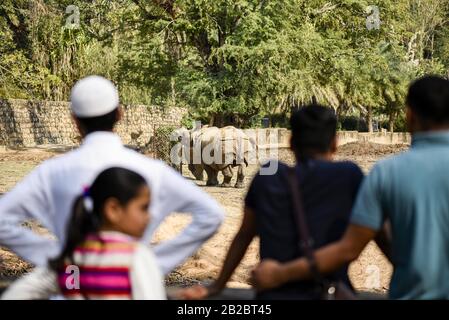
column 328, row 189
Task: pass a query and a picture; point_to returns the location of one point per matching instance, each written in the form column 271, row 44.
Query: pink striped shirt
column 104, row 261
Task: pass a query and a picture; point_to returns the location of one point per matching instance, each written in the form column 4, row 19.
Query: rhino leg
column 240, row 177
column 197, row 171
column 212, row 176
column 227, row 174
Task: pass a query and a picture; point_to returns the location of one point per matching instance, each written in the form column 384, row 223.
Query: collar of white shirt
column 103, row 138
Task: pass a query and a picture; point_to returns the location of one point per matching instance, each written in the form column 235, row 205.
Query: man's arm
column 383, row 239
column 177, row 194
column 236, row 251
column 366, row 220
column 40, row 284
column 235, row 254
column 27, row 200
column 271, row 274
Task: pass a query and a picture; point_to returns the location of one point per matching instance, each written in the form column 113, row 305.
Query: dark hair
column 313, row 129
column 428, row 97
column 121, row 184
column 100, row 123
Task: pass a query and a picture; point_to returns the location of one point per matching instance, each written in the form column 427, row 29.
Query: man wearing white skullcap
column 93, row 96
column 47, row 193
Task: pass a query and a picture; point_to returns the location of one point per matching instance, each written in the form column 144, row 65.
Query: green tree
column 223, row 59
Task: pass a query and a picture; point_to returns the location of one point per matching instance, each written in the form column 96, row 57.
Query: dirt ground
column 371, row 272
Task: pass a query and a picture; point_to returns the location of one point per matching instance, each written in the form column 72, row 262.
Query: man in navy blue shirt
column 328, row 191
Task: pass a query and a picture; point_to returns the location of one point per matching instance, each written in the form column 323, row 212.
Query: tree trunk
column 212, row 120
column 217, row 120
column 369, row 119
column 173, row 92
column 391, row 121
column 340, row 112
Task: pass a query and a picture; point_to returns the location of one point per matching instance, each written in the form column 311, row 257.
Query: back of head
column 95, row 102
column 119, row 183
column 87, row 214
column 428, row 97
column 313, row 130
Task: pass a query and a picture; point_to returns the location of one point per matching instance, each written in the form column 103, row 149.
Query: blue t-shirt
column 328, row 190
column 412, row 190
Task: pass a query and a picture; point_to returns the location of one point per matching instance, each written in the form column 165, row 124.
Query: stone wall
column 270, row 138
column 375, row 137
column 280, row 138
column 31, row 123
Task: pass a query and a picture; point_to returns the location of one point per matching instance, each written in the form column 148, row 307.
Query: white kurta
column 48, row 192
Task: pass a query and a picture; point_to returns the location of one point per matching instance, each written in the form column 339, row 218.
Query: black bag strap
column 305, row 239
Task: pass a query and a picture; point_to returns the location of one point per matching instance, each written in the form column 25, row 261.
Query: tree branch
column 147, row 14
column 327, row 7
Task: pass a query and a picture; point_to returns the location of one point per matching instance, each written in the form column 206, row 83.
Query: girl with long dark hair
column 102, row 257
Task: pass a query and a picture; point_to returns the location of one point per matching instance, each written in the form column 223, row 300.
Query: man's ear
column 292, row 143
column 119, row 114
column 78, row 125
column 112, row 211
column 334, row 145
column 411, row 120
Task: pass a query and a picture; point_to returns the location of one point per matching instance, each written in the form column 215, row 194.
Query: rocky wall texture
column 31, row 123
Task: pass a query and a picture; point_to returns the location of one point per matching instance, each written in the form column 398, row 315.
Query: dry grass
column 206, row 263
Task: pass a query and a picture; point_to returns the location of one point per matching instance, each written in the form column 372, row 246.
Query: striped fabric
column 103, row 261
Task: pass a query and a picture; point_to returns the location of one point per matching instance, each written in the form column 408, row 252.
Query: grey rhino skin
column 236, row 148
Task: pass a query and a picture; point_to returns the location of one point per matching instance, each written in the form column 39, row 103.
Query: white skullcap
column 93, row 96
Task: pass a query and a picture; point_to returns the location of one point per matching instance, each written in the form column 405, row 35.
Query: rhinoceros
column 215, row 149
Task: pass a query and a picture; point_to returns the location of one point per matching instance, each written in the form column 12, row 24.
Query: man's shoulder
column 278, row 168
column 271, row 172
column 143, row 158
column 124, row 157
column 271, row 177
column 346, row 167
column 393, row 163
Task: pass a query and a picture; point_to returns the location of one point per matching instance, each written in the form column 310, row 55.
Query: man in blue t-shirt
column 411, row 191
column 328, row 192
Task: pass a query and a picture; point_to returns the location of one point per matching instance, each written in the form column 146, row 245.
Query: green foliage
column 223, row 59
column 188, row 121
